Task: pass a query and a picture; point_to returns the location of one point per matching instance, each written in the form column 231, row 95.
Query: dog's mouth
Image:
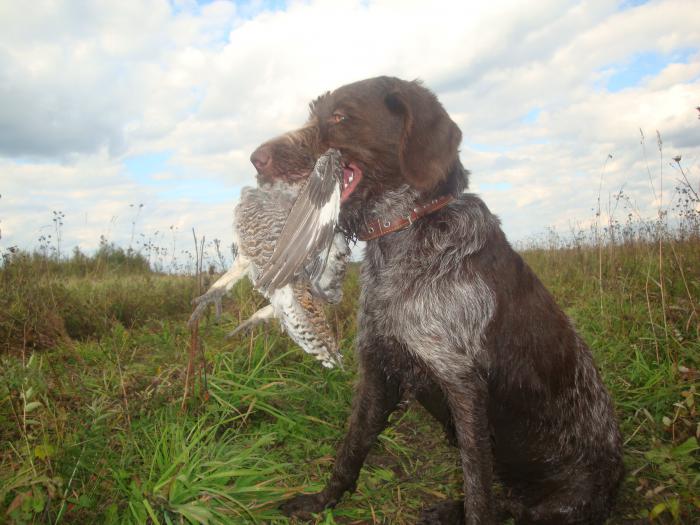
column 352, row 175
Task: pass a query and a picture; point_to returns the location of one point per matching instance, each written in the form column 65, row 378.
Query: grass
column 93, row 357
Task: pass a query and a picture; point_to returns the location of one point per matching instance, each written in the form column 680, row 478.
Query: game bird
column 288, row 247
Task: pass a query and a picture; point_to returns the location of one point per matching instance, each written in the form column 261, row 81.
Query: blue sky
column 154, row 170
column 157, row 172
column 640, row 66
column 161, row 102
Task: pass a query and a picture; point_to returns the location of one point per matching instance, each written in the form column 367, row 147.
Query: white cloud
column 84, row 86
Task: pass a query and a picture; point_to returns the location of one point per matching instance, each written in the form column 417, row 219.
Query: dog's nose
column 261, row 158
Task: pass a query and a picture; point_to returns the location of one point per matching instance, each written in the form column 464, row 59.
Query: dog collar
column 382, row 226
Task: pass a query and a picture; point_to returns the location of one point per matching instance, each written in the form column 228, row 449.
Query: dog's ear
column 430, row 139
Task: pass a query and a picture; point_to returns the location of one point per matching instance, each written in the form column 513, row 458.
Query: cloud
column 90, row 91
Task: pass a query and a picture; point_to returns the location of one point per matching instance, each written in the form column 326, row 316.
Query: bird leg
column 261, row 316
column 217, row 290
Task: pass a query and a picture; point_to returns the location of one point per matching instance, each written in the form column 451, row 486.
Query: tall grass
column 45, row 300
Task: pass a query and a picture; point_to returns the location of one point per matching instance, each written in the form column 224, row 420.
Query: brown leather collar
column 381, row 226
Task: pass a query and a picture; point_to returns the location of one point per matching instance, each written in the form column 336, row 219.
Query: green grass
column 649, row 357
column 93, row 362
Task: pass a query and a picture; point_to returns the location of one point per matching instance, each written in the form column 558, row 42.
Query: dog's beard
column 350, row 221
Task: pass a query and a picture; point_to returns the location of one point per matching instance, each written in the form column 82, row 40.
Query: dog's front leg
column 469, row 408
column 467, row 395
column 376, row 397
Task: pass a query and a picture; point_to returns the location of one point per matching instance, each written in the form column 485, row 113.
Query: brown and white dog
column 452, row 316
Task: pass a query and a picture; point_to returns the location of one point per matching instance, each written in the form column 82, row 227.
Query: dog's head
column 390, row 133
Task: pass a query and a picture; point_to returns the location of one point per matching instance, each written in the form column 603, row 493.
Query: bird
column 287, row 245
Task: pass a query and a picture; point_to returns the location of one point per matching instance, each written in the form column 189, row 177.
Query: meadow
column 112, row 412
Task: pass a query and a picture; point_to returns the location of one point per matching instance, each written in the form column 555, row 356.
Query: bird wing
column 309, row 228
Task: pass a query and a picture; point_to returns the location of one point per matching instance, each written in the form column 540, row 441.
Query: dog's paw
column 444, row 513
column 304, row 506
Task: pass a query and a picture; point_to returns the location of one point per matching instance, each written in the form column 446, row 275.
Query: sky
column 134, row 121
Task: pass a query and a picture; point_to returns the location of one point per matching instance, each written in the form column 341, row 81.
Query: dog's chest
column 391, row 288
column 439, row 316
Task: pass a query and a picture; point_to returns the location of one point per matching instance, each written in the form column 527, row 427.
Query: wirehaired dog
column 451, row 315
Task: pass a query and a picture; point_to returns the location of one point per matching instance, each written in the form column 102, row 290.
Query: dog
column 452, row 316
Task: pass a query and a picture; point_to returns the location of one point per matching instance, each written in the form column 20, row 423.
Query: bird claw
column 240, row 328
column 214, row 295
column 264, row 314
column 243, row 327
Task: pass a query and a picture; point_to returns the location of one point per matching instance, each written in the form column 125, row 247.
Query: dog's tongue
column 351, row 178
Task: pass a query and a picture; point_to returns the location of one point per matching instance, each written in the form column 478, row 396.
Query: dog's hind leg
column 376, row 397
column 578, row 501
column 434, row 401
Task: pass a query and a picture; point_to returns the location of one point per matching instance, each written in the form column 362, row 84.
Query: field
column 96, row 425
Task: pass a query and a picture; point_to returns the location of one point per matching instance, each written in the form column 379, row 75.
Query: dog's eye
column 337, row 118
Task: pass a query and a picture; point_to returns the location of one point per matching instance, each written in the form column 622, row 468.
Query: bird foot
column 261, row 316
column 214, row 295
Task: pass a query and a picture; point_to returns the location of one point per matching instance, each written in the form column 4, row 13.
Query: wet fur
column 450, row 315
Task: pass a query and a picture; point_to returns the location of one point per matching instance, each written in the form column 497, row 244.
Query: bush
column 44, row 301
